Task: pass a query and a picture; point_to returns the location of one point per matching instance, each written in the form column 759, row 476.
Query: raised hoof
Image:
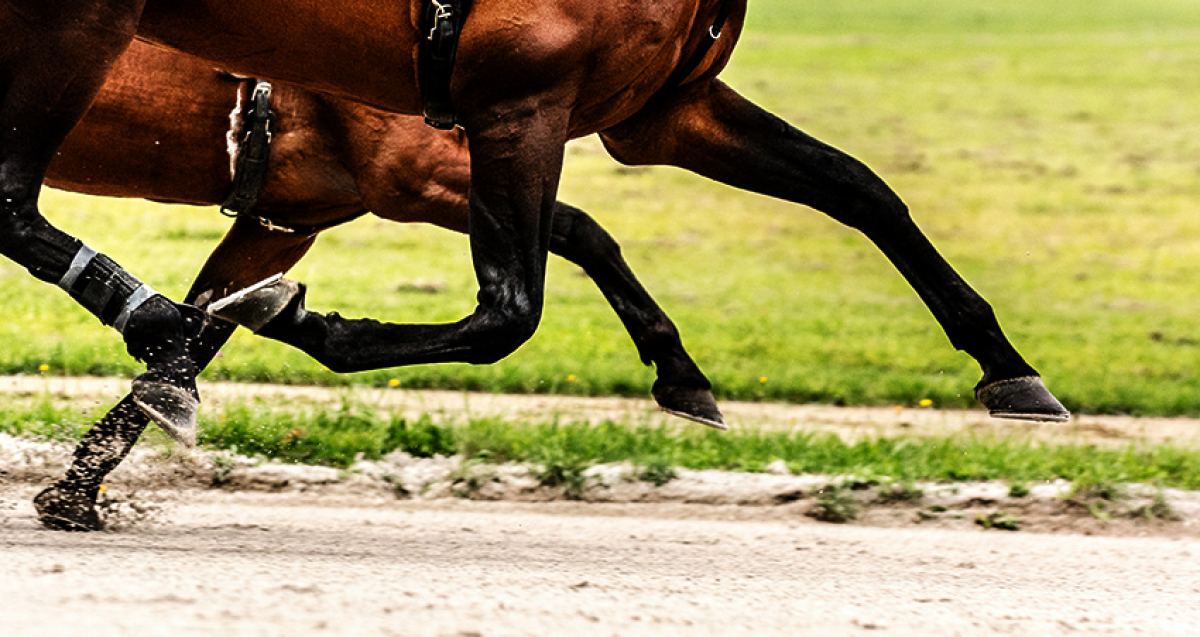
column 697, row 405
column 256, row 305
column 173, row 408
column 1024, row 398
column 63, row 510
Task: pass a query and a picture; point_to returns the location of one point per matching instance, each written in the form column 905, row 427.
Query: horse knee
column 16, row 231
column 495, row 335
column 23, row 231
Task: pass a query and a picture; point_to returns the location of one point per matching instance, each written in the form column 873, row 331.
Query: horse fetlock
column 256, row 306
column 158, row 333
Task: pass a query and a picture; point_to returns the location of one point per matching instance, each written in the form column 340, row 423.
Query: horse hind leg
column 711, row 130
column 54, row 61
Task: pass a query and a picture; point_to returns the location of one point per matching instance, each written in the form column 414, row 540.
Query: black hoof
column 1024, row 398
column 68, row 510
column 171, row 407
column 256, row 305
column 697, row 405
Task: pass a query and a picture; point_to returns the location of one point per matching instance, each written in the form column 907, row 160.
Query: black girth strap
column 253, row 160
column 254, row 152
column 441, row 25
column 706, row 45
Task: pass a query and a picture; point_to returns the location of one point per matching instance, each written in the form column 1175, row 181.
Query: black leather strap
column 253, row 160
column 254, row 152
column 441, row 25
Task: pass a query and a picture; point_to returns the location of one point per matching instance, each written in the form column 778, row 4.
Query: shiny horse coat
column 529, row 77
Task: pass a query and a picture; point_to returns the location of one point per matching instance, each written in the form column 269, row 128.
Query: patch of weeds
column 1158, row 509
column 421, row 439
column 933, row 512
column 1019, row 490
column 657, row 472
column 470, row 477
column 1087, row 488
column 401, row 492
column 861, row 483
column 999, row 520
column 567, row 475
column 1098, row 510
column 903, row 491
column 835, row 503
column 1099, row 497
column 222, row 466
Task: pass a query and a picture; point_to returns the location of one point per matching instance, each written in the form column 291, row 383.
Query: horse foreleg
column 53, row 60
column 713, row 131
column 681, row 388
column 248, row 253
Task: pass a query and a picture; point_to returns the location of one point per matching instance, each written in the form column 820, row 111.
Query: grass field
column 339, row 436
column 1051, row 151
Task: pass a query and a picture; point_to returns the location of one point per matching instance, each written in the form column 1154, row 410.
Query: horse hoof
column 1024, row 398
column 172, row 408
column 256, row 305
column 697, row 405
column 65, row 510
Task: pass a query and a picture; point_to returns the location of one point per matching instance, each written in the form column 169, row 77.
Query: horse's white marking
column 235, row 130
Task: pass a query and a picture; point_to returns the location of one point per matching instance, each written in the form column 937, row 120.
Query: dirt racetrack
column 343, row 558
column 288, row 564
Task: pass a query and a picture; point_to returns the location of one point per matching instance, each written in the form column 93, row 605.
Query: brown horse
column 529, row 77
column 158, row 131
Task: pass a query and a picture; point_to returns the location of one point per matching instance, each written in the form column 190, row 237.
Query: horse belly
column 157, row 130
column 364, row 50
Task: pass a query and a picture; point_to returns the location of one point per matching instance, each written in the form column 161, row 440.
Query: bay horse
column 158, row 130
column 529, row 77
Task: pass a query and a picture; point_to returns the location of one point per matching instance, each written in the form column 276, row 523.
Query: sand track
column 320, row 559
column 259, row 564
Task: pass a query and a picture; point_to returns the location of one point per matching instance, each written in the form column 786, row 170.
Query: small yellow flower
column 899, row 408
column 570, row 378
column 103, row 489
column 43, row 367
column 395, row 382
column 926, row 402
column 762, row 379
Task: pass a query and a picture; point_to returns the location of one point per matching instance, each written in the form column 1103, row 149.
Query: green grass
column 1050, row 150
column 337, row 436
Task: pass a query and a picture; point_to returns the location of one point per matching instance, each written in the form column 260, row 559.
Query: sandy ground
column 321, row 553
column 257, row 564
